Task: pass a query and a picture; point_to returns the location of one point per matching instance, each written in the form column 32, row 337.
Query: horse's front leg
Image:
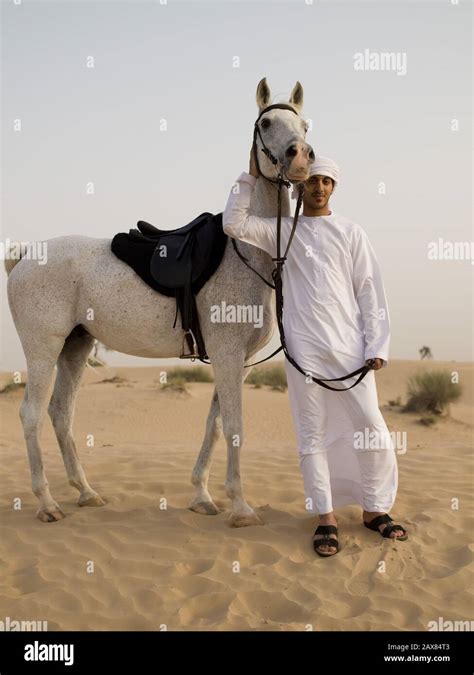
column 228, row 379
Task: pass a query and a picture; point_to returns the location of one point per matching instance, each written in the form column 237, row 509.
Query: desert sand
column 157, row 568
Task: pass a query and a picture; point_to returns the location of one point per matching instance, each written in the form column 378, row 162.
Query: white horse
column 85, row 293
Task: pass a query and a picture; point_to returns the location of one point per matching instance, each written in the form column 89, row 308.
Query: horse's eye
column 265, row 124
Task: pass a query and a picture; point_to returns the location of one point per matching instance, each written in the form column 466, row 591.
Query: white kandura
column 335, row 316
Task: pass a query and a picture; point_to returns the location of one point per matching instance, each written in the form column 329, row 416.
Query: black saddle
column 152, row 231
column 177, row 263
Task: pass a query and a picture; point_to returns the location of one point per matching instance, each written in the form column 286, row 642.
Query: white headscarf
column 323, row 166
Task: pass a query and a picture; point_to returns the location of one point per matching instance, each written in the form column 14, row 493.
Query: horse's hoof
column 50, row 515
column 93, row 499
column 204, row 508
column 245, row 520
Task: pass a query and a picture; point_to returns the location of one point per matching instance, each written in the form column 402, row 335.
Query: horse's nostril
column 311, row 154
column 292, row 150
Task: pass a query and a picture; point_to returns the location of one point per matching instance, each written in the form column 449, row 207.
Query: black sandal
column 380, row 520
column 326, row 540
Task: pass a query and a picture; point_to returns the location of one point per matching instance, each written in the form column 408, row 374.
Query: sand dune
column 169, row 567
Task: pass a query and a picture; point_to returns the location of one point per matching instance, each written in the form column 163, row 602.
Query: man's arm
column 370, row 294
column 236, row 221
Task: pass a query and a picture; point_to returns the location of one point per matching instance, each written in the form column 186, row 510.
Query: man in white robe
column 335, row 319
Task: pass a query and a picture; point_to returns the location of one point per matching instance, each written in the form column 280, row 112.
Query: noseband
column 266, row 151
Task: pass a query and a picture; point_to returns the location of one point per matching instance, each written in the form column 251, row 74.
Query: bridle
column 279, row 261
column 280, row 182
column 266, row 151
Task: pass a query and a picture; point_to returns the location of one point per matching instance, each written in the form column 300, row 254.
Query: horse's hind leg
column 71, row 364
column 202, row 502
column 40, row 364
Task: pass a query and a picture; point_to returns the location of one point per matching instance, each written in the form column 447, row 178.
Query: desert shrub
column 431, row 391
column 274, row 377
column 12, row 386
column 177, row 385
column 196, row 374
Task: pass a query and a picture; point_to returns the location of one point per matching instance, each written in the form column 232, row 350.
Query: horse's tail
column 12, row 259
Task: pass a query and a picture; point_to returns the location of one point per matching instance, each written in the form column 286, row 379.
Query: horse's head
column 279, row 136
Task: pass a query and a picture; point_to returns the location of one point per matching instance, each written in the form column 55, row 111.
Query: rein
column 280, row 260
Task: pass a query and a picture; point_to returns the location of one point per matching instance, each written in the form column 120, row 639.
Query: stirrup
column 195, row 351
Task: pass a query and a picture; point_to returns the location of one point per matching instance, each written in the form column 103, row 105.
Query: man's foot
column 325, row 541
column 379, row 521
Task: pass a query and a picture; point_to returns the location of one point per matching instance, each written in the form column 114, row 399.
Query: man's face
column 317, row 191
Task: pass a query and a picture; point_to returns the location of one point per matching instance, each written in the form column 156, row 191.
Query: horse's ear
column 263, row 94
column 296, row 97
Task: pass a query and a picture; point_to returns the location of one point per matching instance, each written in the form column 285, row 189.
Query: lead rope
column 277, row 279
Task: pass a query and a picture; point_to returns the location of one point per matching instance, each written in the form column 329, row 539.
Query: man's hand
column 374, row 364
column 253, row 164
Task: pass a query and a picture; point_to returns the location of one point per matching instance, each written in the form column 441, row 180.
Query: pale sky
column 176, row 62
